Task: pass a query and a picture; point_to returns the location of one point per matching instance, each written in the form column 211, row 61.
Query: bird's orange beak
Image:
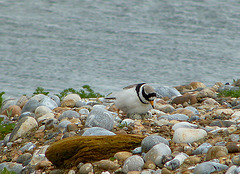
column 152, row 103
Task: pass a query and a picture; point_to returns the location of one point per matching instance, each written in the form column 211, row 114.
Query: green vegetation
column 5, row 171
column 85, row 92
column 1, row 98
column 5, row 128
column 112, row 158
column 229, row 93
column 40, row 90
column 122, row 125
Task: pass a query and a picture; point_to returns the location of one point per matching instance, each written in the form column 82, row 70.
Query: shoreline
column 198, row 128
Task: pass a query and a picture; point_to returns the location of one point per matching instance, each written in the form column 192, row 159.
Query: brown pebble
column 233, row 147
column 215, row 152
column 149, row 165
column 68, row 103
column 122, row 156
column 189, row 98
column 72, row 127
column 43, row 164
column 184, row 111
column 106, row 165
column 12, row 111
column 166, row 171
column 196, row 85
column 192, row 160
column 134, row 172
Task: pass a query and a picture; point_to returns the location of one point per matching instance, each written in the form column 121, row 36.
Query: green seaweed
column 229, row 93
column 1, row 98
column 40, row 90
column 85, row 92
column 6, row 171
column 5, row 128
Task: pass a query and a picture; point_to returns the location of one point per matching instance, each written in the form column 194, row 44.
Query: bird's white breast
column 128, row 101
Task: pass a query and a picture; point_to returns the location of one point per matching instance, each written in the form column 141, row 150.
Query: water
column 58, row 44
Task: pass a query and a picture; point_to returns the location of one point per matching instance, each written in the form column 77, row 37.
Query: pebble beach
column 190, row 130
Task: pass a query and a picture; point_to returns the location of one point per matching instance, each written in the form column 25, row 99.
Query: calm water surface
column 57, row 44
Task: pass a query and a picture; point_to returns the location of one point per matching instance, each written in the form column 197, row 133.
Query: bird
column 135, row 99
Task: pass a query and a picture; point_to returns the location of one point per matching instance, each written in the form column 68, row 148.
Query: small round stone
column 69, row 114
column 188, row 135
column 86, row 168
column 122, row 156
column 216, row 152
column 152, row 140
column 24, row 157
column 133, row 163
column 12, row 111
column 42, row 110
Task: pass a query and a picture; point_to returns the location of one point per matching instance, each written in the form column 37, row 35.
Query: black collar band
column 138, row 90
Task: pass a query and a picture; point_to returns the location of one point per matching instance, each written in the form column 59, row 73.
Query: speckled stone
column 133, row 163
column 156, row 153
column 39, row 100
column 24, row 126
column 42, row 110
column 236, row 160
column 216, row 152
column 86, row 168
column 24, row 157
column 107, row 165
column 166, row 91
column 12, row 111
column 69, row 114
column 122, row 156
column 209, row 167
column 100, row 118
column 12, row 167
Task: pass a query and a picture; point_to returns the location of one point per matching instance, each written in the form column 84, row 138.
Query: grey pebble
column 100, row 117
column 56, row 99
column 25, row 114
column 150, row 141
column 175, row 117
column 194, row 110
column 51, row 123
column 80, row 103
column 194, row 118
column 236, row 160
column 24, row 157
column 133, row 163
column 203, row 148
column 166, row 91
column 63, row 125
column 184, row 124
column 84, row 111
column 94, row 131
column 12, row 167
column 27, row 147
column 223, row 123
column 39, row 100
column 69, row 114
column 209, row 167
column 137, row 150
column 155, row 154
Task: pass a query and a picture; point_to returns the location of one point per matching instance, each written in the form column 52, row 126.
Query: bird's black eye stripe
column 148, row 96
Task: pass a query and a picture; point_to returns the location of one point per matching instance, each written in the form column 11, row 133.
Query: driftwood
column 71, row 151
